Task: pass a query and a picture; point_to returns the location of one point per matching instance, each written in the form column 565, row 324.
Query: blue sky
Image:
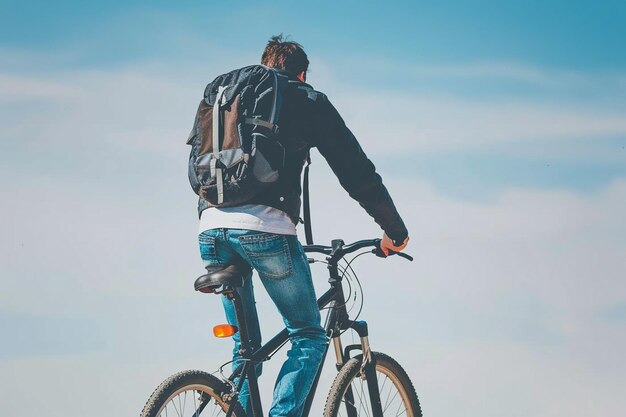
column 561, row 34
column 498, row 127
column 554, row 53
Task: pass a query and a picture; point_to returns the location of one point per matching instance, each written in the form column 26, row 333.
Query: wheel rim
column 394, row 399
column 185, row 402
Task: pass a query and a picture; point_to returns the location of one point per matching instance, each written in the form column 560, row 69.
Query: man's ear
column 302, row 76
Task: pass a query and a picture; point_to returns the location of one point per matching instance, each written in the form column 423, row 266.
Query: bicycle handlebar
column 338, row 249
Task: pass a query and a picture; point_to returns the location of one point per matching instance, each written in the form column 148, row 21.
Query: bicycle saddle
column 218, row 275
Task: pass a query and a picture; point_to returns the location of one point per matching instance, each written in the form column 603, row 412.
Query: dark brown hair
column 285, row 55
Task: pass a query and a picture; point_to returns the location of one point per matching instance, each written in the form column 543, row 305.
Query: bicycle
column 394, row 395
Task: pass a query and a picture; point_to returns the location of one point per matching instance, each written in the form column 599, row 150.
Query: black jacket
column 308, row 119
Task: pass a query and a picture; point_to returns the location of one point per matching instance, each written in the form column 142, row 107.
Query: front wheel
column 348, row 396
column 190, row 393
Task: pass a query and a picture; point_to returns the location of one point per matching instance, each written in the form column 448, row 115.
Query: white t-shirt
column 250, row 217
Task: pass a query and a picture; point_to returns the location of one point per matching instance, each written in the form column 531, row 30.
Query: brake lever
column 402, row 255
column 379, row 252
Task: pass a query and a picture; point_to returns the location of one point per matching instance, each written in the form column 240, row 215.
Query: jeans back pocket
column 268, row 253
column 207, row 249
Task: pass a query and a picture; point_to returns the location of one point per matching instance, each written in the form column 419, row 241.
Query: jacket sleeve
column 355, row 171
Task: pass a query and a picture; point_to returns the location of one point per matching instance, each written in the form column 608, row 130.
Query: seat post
column 242, row 324
column 247, row 371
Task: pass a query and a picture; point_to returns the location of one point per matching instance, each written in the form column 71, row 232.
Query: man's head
column 286, row 55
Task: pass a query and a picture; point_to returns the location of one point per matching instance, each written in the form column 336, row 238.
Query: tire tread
column 350, row 370
column 182, row 379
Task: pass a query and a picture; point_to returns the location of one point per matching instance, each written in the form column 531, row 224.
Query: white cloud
column 551, row 79
column 489, row 70
column 15, row 88
column 434, row 122
column 141, row 105
column 542, row 79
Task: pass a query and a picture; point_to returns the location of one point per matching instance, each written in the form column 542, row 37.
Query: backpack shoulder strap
column 216, row 171
column 308, row 232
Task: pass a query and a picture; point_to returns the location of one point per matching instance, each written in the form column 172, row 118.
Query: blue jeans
column 284, row 272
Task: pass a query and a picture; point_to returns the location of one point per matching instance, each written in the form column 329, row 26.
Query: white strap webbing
column 259, row 122
column 215, row 171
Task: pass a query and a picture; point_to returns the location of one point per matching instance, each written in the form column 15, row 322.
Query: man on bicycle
column 262, row 232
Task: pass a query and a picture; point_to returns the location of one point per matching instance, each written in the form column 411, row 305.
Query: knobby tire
column 397, row 395
column 182, row 394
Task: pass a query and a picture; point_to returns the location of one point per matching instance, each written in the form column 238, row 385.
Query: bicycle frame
column 337, row 321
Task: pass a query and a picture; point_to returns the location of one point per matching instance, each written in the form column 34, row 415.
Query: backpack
column 235, row 154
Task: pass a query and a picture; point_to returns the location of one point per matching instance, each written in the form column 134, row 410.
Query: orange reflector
column 224, row 330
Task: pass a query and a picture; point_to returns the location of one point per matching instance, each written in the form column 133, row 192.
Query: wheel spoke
column 393, row 398
column 398, row 413
column 388, row 394
column 382, row 388
column 178, row 404
column 346, row 403
column 174, row 405
column 362, row 399
column 215, row 412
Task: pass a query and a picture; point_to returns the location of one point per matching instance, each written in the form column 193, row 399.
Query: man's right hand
column 386, row 244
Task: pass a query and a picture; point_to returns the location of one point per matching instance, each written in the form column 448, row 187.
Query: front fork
column 367, row 371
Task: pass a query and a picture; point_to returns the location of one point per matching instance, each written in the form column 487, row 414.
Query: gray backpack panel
column 235, row 153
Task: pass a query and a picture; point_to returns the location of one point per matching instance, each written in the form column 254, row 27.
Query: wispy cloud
column 517, row 72
column 15, row 89
column 417, row 121
column 487, row 70
column 440, row 122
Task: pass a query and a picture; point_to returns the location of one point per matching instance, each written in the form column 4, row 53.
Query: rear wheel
column 190, row 393
column 348, row 396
